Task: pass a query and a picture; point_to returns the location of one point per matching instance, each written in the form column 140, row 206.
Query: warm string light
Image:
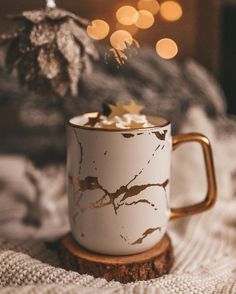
column 166, row 48
column 98, row 29
column 145, row 19
column 130, row 19
column 127, row 15
column 149, row 5
column 171, row 10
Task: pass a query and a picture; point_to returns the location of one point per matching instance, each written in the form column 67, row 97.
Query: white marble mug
column 118, row 185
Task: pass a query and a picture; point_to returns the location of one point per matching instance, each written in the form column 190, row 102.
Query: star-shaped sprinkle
column 136, row 125
column 133, row 108
column 117, row 110
column 93, row 120
column 110, row 126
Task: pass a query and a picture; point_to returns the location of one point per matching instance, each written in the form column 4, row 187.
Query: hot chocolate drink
column 119, row 179
column 121, row 116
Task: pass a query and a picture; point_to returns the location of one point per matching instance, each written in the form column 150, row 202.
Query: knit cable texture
column 204, row 245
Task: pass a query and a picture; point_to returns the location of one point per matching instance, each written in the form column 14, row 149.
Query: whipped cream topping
column 125, row 121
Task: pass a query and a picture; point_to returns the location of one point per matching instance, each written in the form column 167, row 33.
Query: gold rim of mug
column 117, row 130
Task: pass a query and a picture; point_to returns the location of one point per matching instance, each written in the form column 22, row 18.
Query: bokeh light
column 98, row 29
column 131, row 29
column 150, row 5
column 171, row 10
column 166, row 48
column 121, row 39
column 127, row 15
column 145, row 19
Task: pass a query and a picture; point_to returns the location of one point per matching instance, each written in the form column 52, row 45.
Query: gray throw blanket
column 33, row 204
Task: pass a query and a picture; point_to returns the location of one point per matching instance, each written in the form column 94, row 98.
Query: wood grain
column 143, row 266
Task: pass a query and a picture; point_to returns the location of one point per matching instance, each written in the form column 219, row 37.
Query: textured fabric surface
column 33, row 200
column 204, row 245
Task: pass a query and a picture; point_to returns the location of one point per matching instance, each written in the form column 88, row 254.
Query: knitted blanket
column 33, row 199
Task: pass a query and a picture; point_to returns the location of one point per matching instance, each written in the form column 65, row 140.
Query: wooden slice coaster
column 143, row 266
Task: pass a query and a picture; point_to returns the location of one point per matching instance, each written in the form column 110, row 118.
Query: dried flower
column 50, row 50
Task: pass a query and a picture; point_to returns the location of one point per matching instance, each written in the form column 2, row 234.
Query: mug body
column 118, row 186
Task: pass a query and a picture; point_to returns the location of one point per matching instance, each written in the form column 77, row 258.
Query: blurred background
column 188, row 54
column 203, row 30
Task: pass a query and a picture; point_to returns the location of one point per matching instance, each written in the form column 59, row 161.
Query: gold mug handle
column 211, row 180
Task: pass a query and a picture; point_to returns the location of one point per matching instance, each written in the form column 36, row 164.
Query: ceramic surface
column 118, row 186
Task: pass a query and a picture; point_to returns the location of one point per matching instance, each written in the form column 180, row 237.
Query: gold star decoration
column 136, row 125
column 93, row 120
column 120, row 109
column 110, row 126
column 117, row 110
column 133, row 107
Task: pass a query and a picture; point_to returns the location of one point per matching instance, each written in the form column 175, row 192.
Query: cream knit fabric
column 204, row 245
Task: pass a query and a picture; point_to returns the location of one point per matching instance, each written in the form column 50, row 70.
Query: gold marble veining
column 140, row 201
column 89, row 183
column 123, row 237
column 81, row 151
column 145, row 234
column 135, row 190
column 92, row 183
column 128, row 135
column 160, row 136
column 109, row 198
